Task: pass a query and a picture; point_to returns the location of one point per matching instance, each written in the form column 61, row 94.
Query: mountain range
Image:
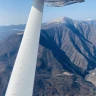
column 66, row 64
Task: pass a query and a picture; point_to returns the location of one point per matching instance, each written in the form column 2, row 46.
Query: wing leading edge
column 60, row 3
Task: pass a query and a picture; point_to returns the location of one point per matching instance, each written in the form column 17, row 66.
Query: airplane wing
column 59, row 3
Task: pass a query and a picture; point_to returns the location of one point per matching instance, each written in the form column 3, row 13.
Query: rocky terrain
column 66, row 58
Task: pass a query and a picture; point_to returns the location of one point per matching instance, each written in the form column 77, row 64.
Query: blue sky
column 17, row 11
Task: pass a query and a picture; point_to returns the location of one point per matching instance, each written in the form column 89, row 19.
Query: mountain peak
column 57, row 20
column 60, row 20
column 71, row 21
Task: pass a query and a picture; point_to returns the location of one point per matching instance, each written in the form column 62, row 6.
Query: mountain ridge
column 66, row 59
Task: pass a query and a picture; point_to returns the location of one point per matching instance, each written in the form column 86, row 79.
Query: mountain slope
column 66, row 57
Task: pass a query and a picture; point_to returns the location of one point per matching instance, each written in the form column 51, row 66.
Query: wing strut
column 22, row 78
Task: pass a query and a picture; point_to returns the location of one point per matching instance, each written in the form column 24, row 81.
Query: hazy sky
column 17, row 11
